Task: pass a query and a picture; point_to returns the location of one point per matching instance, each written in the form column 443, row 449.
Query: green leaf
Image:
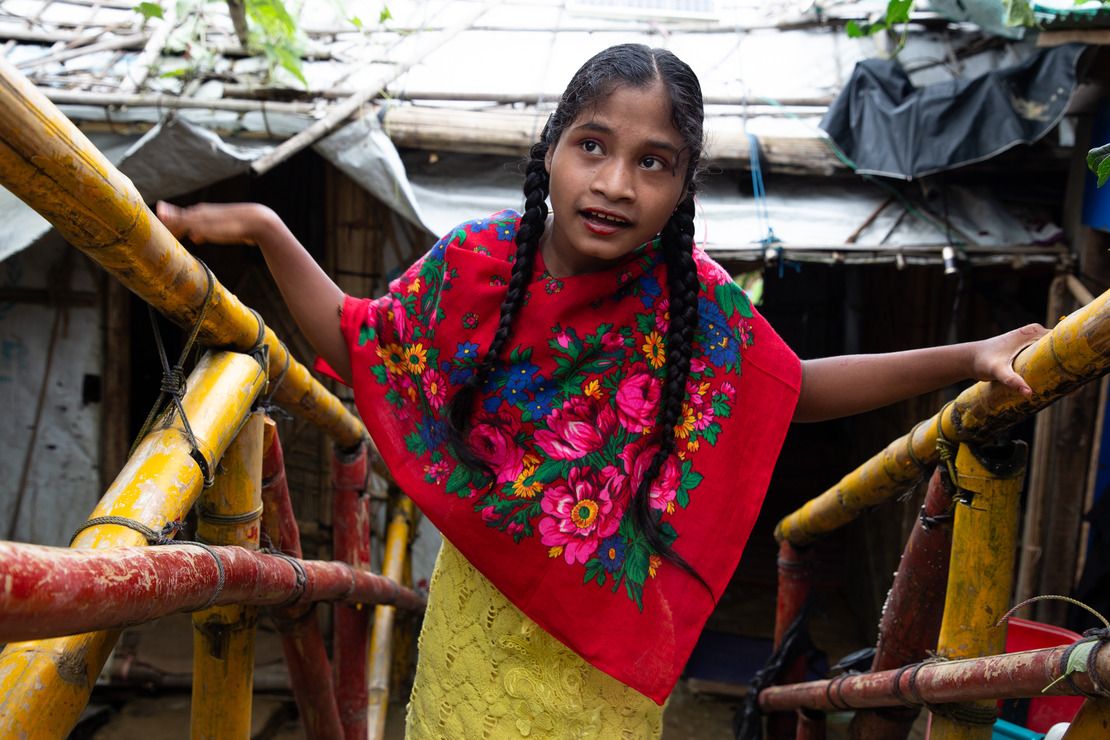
column 690, row 481
column 149, row 10
column 385, row 15
column 355, row 21
column 549, row 470
column 459, row 482
column 898, row 11
column 854, row 30
column 636, row 563
column 415, row 443
column 1077, row 661
column 1098, row 161
column 668, row 533
column 366, row 333
column 379, row 372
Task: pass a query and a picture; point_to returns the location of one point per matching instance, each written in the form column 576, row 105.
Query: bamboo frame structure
column 1077, row 350
column 44, row 685
column 1013, row 675
column 50, row 165
column 351, row 544
column 981, row 574
column 381, row 639
column 913, row 610
column 301, row 640
column 223, row 636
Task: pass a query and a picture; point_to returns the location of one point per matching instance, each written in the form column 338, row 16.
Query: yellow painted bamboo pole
column 223, row 636
column 381, row 637
column 45, row 684
column 1075, row 351
column 981, row 574
column 49, row 164
column 1092, row 722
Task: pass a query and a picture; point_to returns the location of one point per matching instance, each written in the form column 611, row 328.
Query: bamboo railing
column 46, row 683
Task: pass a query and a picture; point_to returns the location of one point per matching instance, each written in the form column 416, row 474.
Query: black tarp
column 889, row 127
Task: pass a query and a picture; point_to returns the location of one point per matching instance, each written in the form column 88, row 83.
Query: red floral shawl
column 565, row 424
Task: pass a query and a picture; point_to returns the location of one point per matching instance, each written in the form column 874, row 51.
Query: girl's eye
column 652, row 163
column 590, row 146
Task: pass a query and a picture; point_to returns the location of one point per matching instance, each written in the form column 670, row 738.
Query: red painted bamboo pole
column 914, row 608
column 51, row 591
column 1013, row 675
column 793, row 590
column 351, row 542
column 301, row 640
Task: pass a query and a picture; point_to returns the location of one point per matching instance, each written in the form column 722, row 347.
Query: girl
column 586, row 406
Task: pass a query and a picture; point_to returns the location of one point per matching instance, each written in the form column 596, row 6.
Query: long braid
column 532, row 224
column 682, row 281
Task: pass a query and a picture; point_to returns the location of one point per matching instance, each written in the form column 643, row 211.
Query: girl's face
column 617, row 173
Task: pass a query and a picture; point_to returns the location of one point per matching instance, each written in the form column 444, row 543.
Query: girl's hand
column 993, row 359
column 218, row 223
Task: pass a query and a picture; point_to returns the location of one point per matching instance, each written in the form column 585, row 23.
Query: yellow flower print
column 393, row 357
column 527, row 490
column 693, row 445
column 686, row 423
column 414, row 286
column 554, row 552
column 654, row 561
column 592, row 389
column 415, row 358
column 653, row 350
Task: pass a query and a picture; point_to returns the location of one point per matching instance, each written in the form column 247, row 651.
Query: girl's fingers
column 171, row 216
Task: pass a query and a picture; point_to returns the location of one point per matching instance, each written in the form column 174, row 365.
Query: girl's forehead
column 633, row 111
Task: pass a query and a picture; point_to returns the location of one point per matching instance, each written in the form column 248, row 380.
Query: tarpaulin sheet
column 888, row 127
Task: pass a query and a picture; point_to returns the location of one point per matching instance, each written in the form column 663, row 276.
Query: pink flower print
column 563, row 339
column 580, row 427
column 514, row 528
column 638, row 399
column 489, row 515
column 581, row 512
column 697, row 365
column 435, row 388
column 745, row 331
column 663, row 315
column 494, row 441
column 612, row 342
column 700, row 407
column 397, row 313
column 437, row 472
column 470, row 320
column 729, row 390
column 637, row 458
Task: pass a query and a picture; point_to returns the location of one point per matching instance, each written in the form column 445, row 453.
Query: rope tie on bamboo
column 164, row 536
column 266, row 405
column 921, row 466
column 173, row 381
column 302, row 577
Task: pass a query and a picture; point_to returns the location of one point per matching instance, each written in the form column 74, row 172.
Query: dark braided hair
column 638, row 66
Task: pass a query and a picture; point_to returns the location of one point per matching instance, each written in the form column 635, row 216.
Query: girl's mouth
column 603, row 223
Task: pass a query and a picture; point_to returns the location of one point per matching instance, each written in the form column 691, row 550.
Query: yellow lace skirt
column 487, row 671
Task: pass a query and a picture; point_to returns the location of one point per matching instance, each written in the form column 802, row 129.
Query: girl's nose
column 615, row 181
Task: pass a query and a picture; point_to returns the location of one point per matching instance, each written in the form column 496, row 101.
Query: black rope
column 266, row 404
column 747, row 724
column 214, row 518
column 302, row 576
column 164, row 536
column 173, row 381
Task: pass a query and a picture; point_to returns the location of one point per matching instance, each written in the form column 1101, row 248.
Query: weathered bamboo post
column 381, row 640
column 45, row 684
column 301, row 639
column 914, row 607
column 981, row 575
column 1092, row 722
column 351, row 543
column 793, row 592
column 223, row 636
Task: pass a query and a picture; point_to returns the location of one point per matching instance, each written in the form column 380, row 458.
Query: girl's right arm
column 311, row 296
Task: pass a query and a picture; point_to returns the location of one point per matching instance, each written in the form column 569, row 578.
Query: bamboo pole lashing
column 223, row 636
column 49, row 164
column 1011, row 676
column 1075, row 351
column 60, row 591
column 45, row 684
column 981, row 573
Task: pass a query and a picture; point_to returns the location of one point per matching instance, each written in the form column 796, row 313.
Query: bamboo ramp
column 1076, row 351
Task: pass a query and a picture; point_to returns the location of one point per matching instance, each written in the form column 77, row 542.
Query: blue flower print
column 492, row 404
column 466, row 351
column 433, row 432
column 650, row 290
column 479, row 225
column 506, row 231
column 611, row 553
column 519, row 376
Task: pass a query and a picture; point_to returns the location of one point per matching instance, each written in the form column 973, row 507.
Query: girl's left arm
column 841, row 386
